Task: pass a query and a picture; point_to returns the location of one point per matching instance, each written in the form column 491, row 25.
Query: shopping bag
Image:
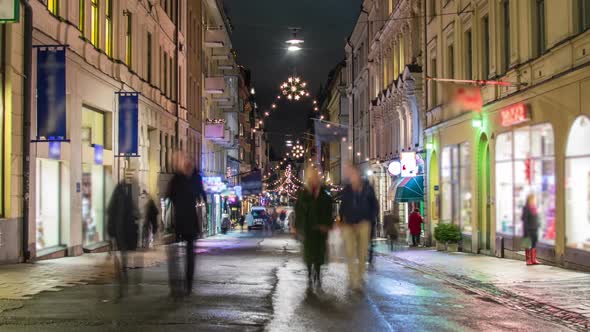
column 525, row 243
column 335, row 245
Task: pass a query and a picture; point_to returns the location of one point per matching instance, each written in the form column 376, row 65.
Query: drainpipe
column 27, row 109
column 177, row 92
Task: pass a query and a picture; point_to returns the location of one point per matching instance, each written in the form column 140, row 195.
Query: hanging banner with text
column 128, row 123
column 51, row 93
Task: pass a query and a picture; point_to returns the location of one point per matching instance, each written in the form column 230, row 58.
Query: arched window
column 577, row 184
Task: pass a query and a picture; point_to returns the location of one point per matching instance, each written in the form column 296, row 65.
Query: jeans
column 356, row 240
column 415, row 239
column 175, row 278
column 534, row 238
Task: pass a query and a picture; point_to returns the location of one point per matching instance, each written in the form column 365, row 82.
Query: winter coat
column 359, row 206
column 311, row 213
column 183, row 197
column 530, row 221
column 391, row 226
column 415, row 223
column 122, row 214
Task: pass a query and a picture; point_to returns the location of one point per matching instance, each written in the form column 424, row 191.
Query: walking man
column 183, row 196
column 358, row 210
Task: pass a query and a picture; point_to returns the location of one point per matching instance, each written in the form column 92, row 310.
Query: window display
column 456, row 186
column 578, row 186
column 525, row 163
column 48, row 203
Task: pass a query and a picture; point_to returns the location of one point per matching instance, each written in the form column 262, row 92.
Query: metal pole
column 27, row 109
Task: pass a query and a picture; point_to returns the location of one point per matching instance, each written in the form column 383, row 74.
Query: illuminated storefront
column 577, row 184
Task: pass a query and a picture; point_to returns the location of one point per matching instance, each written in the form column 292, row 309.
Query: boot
column 534, row 260
column 527, row 253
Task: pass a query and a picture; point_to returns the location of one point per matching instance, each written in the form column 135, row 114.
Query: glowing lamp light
column 369, row 173
column 293, row 48
column 358, row 154
column 395, row 168
column 273, row 106
column 429, row 146
column 266, row 114
column 477, row 123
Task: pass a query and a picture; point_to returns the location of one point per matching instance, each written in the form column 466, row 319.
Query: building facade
column 110, row 47
column 527, row 138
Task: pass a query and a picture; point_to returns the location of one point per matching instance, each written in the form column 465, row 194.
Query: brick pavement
column 21, row 281
column 549, row 292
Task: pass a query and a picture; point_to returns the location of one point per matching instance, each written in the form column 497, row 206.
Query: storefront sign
column 238, row 190
column 395, row 168
column 514, row 114
column 128, row 123
column 51, row 93
column 408, row 163
column 213, row 184
column 9, row 11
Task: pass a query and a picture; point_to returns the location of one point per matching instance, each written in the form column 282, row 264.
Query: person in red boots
column 415, row 225
column 530, row 220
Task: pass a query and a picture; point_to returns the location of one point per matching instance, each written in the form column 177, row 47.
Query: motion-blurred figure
column 241, row 222
column 358, row 210
column 313, row 221
column 185, row 225
column 150, row 222
column 391, row 228
column 122, row 228
column 530, row 220
column 415, row 225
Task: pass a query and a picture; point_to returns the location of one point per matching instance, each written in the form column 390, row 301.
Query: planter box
column 452, row 247
column 441, row 246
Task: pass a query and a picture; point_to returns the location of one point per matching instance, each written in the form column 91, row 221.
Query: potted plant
column 453, row 237
column 440, row 235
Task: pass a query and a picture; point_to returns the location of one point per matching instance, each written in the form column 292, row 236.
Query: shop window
column 465, row 185
column 578, row 185
column 47, row 204
column 94, row 127
column 525, row 164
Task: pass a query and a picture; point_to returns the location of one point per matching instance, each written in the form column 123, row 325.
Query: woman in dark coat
column 313, row 220
column 530, row 220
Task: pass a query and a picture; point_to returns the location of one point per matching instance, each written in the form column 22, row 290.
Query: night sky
column 260, row 32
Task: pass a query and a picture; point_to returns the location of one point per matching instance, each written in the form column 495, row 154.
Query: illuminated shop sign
column 213, row 184
column 409, row 164
column 514, row 115
column 395, row 168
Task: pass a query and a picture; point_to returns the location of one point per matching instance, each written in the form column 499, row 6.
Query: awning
column 409, row 189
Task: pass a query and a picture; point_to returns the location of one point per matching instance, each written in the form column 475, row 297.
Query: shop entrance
column 483, row 191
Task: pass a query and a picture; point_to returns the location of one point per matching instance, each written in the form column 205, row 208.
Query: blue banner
column 128, row 124
column 51, row 93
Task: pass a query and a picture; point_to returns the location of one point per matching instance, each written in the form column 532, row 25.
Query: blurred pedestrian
column 201, row 196
column 313, row 221
column 241, row 222
column 530, row 220
column 122, row 214
column 150, row 223
column 181, row 192
column 391, row 228
column 358, row 209
column 415, row 225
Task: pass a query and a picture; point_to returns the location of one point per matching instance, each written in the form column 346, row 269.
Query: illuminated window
column 53, row 6
column 506, row 34
column 94, row 21
column 82, row 15
column 539, row 18
column 402, row 60
column 583, row 15
column 468, row 55
column 109, row 27
column 128, row 41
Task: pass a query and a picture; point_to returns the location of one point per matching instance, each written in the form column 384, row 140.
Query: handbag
column 526, row 243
